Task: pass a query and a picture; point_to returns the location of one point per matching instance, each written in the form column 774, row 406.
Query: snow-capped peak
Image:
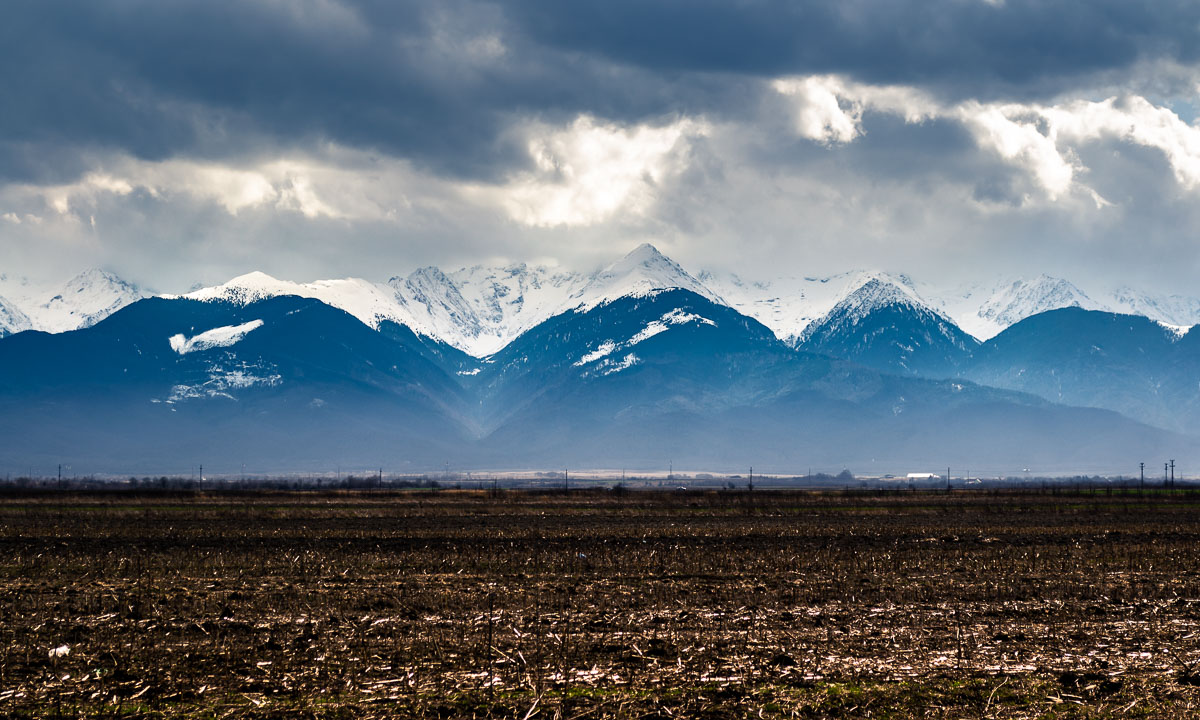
column 93, row 278
column 867, row 292
column 873, row 289
column 216, row 338
column 84, row 300
column 245, row 289
column 644, row 270
column 12, row 320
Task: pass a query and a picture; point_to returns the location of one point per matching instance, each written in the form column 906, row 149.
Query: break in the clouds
column 190, row 141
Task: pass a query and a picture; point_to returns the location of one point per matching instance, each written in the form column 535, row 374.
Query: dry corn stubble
column 595, row 604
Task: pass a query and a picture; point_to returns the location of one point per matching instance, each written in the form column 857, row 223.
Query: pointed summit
column 645, row 253
column 84, row 300
column 643, row 271
column 12, row 320
column 433, row 297
column 883, row 323
column 872, row 290
column 647, row 259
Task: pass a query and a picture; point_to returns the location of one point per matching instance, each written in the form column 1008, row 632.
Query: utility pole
column 1142, row 475
column 1165, row 465
column 1172, row 474
column 947, row 479
column 566, row 481
column 751, row 485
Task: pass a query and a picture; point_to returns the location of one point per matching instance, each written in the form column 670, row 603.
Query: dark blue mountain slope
column 1125, row 363
column 310, row 384
column 716, row 389
column 290, row 384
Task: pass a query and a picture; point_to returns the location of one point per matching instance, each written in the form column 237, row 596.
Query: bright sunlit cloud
column 590, row 171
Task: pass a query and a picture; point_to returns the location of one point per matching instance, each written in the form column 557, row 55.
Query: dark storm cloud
column 235, row 78
column 158, row 79
column 958, row 47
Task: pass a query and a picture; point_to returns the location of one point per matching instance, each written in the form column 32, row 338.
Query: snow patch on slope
column 606, row 348
column 1177, row 331
column 223, row 378
column 611, row 366
column 215, row 338
column 652, row 328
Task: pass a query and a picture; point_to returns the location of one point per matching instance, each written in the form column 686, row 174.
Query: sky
column 188, row 142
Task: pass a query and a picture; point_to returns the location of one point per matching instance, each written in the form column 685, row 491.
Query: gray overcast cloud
column 192, row 141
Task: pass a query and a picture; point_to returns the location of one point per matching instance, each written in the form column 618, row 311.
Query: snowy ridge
column 1171, row 311
column 985, row 311
column 1012, row 303
column 479, row 310
column 790, row 304
column 372, row 304
column 216, row 338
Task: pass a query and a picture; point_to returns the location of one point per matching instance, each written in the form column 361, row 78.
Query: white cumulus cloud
column 1040, row 139
column 590, row 170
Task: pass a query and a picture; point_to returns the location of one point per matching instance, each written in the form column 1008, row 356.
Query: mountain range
column 481, row 309
column 635, row 365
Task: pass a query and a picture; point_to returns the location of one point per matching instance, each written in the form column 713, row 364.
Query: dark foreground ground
column 600, row 605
